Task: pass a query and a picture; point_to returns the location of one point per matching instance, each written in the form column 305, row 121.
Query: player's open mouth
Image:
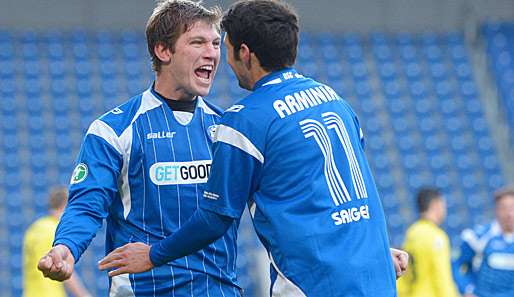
column 204, row 72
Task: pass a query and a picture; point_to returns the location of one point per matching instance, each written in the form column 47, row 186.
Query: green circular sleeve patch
column 79, row 174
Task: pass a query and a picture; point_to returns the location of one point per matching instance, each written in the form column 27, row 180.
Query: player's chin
column 203, row 90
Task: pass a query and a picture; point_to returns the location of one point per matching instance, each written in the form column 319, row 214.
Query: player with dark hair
column 293, row 151
column 429, row 249
column 485, row 265
column 38, row 239
column 143, row 165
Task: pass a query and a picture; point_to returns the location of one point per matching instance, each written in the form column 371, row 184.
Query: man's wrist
column 154, row 255
column 70, row 247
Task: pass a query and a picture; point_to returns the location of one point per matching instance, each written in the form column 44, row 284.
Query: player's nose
column 211, row 52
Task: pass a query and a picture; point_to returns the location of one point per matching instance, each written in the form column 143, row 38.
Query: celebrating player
column 293, row 151
column 142, row 165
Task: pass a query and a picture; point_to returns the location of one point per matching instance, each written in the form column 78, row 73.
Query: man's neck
column 54, row 213
column 166, row 88
column 431, row 217
column 257, row 75
column 256, row 72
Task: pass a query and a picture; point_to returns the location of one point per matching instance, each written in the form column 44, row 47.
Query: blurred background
column 432, row 82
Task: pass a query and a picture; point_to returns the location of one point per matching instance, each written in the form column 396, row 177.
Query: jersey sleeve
column 236, row 166
column 462, row 265
column 92, row 189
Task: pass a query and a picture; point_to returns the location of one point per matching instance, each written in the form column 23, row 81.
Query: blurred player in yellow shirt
column 38, row 239
column 429, row 273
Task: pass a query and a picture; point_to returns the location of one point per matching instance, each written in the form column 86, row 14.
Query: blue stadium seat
column 433, row 53
column 56, row 51
column 82, row 69
column 7, row 69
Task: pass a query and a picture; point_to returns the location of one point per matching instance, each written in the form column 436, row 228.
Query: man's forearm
column 203, row 228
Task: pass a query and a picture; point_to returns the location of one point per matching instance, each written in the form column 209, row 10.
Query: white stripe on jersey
column 123, row 182
column 206, row 107
column 120, row 286
column 233, row 137
column 273, row 82
column 178, row 197
column 148, row 102
column 283, row 286
column 104, row 131
column 223, row 237
column 198, row 205
column 183, row 117
column 478, row 243
column 123, row 144
column 501, row 261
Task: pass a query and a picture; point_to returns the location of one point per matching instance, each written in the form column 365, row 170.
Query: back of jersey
column 326, row 216
column 314, row 201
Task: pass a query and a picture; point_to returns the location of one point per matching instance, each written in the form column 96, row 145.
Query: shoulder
column 112, row 125
column 417, row 232
column 122, row 116
column 478, row 237
column 41, row 227
column 481, row 231
column 428, row 232
column 209, row 107
column 247, row 109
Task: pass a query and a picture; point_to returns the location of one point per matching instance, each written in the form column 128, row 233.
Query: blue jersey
column 485, row 265
column 143, row 167
column 294, row 152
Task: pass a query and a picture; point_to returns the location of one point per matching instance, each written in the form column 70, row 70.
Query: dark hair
column 58, row 197
column 172, row 18
column 425, row 197
column 268, row 28
column 503, row 192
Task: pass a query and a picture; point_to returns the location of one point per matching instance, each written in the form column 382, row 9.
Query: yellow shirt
column 38, row 240
column 429, row 273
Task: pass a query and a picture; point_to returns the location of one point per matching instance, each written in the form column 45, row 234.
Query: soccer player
column 293, row 151
column 429, row 249
column 143, row 165
column 485, row 265
column 38, row 239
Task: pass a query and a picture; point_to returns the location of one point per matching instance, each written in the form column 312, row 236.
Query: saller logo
column 180, row 173
column 79, row 174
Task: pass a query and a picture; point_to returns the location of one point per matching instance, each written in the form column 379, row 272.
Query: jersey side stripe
column 123, row 183
column 120, row 286
column 283, row 286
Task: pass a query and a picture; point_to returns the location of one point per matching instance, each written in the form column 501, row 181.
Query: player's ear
column 245, row 55
column 163, row 53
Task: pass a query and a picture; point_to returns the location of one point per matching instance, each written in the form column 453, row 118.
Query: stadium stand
column 416, row 97
column 499, row 38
